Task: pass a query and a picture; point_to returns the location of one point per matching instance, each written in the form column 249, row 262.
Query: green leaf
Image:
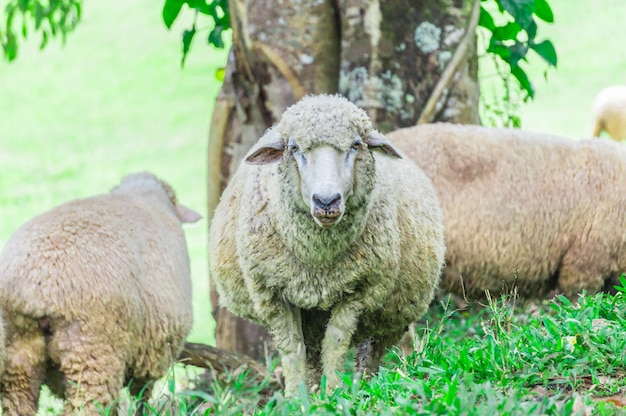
column 39, row 15
column 543, row 11
column 215, row 37
column 44, row 40
column 507, row 32
column 510, row 54
column 521, row 76
column 10, row 47
column 52, row 24
column 206, row 8
column 518, row 52
column 546, row 50
column 187, row 38
column 215, row 12
column 223, row 4
column 551, row 327
column 486, row 20
column 203, row 7
column 502, row 51
column 531, row 29
column 195, row 4
column 23, row 5
column 10, row 11
column 521, row 10
column 171, row 9
column 79, row 10
column 621, row 288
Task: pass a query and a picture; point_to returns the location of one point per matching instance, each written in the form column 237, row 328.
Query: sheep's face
column 327, row 171
column 326, row 178
column 325, row 144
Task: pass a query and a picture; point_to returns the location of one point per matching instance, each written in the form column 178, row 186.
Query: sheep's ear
column 377, row 141
column 185, row 214
column 270, row 153
column 268, row 149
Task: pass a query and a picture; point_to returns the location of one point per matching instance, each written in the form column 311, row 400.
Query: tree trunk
column 385, row 56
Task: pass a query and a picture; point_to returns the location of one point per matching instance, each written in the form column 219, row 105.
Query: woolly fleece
column 609, row 112
column 95, row 292
column 321, row 290
column 542, row 213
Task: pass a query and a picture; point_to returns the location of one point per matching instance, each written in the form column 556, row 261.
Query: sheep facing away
column 609, row 112
column 542, row 213
column 95, row 292
column 327, row 237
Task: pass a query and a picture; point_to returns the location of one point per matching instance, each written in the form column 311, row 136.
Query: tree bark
column 279, row 54
column 385, row 56
column 393, row 53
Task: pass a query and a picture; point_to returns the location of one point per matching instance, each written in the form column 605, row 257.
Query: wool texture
column 320, row 290
column 609, row 112
column 95, row 293
column 540, row 213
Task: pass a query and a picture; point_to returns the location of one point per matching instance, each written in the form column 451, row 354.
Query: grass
column 557, row 358
column 75, row 119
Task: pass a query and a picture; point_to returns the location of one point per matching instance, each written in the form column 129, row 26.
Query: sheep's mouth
column 327, row 218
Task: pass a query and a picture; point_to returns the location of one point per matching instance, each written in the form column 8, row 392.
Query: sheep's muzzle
column 327, row 218
column 327, row 210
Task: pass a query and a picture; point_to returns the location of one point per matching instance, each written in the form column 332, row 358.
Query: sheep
column 542, row 213
column 609, row 112
column 95, row 293
column 328, row 237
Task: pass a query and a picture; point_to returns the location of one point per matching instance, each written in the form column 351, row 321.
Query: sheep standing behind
column 327, row 237
column 95, row 292
column 538, row 212
column 609, row 112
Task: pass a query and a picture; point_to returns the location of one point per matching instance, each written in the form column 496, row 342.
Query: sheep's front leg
column 337, row 339
column 285, row 325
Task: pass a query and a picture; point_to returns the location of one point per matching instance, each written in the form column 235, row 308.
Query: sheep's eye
column 293, row 147
column 357, row 144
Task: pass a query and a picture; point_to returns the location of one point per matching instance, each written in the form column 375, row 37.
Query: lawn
column 113, row 100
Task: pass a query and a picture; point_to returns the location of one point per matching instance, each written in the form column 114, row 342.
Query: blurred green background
column 113, row 100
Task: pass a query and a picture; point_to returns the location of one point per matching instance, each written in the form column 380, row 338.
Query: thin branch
column 205, row 356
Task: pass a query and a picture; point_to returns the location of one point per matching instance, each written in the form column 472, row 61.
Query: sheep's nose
column 326, row 202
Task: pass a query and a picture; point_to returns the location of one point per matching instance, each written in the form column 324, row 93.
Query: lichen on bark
column 392, row 75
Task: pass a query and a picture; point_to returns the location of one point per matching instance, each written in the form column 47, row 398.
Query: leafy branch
column 50, row 17
column 216, row 9
column 512, row 40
